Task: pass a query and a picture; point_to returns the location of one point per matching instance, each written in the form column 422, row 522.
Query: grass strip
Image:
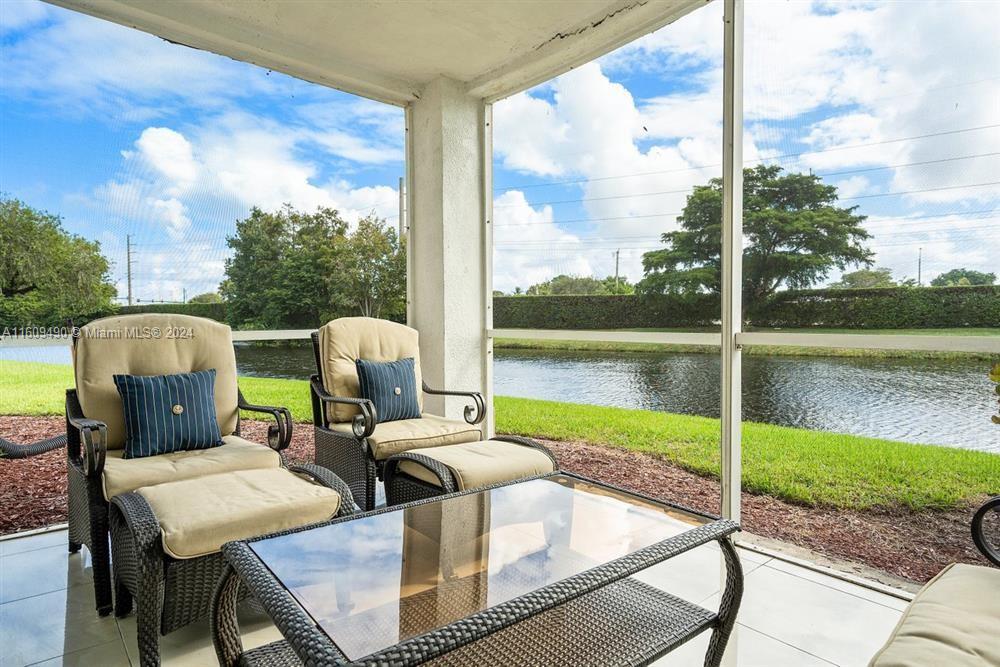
column 813, row 468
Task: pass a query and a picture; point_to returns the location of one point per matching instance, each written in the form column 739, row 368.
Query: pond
column 933, row 401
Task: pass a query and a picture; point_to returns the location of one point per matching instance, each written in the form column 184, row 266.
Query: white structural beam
column 732, row 256
column 446, row 239
column 861, row 341
column 606, row 336
column 208, row 27
column 487, row 259
column 621, row 22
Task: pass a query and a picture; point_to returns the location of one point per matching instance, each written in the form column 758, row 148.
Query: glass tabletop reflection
column 373, row 582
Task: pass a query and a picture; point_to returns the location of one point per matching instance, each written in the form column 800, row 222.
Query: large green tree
column 576, row 285
column 376, row 270
column 206, row 297
column 964, row 277
column 283, row 267
column 48, row 275
column 298, row 270
column 794, row 234
column 865, row 278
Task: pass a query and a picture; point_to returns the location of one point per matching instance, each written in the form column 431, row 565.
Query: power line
column 586, row 240
column 671, row 192
column 913, row 192
column 674, row 213
column 766, row 159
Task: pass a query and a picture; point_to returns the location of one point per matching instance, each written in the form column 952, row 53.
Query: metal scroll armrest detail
column 363, row 424
column 474, row 414
column 87, row 446
column 279, row 435
column 991, row 550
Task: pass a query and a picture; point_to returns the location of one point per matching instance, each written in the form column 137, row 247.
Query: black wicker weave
column 86, row 449
column 348, row 454
column 13, row 450
column 597, row 617
column 169, row 592
column 401, row 488
column 986, row 530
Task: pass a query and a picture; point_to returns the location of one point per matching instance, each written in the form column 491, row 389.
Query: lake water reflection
column 933, row 401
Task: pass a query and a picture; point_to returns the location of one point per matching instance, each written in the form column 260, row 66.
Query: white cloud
column 852, row 186
column 820, row 79
column 173, row 213
column 215, row 172
column 21, row 14
column 169, row 153
column 533, row 139
column 529, row 247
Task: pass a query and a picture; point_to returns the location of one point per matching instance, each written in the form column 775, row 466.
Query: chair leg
column 150, row 609
column 100, row 557
column 370, row 488
column 123, row 600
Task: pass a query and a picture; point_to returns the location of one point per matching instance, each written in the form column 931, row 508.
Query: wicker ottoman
column 435, row 471
column 166, row 539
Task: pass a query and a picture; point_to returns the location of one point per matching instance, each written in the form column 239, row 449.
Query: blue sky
column 122, row 133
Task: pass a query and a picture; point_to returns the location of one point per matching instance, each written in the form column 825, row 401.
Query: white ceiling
column 389, row 49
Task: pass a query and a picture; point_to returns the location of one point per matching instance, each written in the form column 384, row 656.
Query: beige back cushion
column 130, row 345
column 347, row 339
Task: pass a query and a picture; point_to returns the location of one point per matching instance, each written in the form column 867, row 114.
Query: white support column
column 446, row 244
column 487, row 128
column 732, row 255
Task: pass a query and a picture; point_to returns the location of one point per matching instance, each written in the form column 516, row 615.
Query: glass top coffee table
column 534, row 572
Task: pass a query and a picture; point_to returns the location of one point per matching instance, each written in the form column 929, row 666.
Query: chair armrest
column 279, row 435
column 363, row 424
column 90, row 433
column 473, row 414
column 991, row 550
column 328, row 479
column 534, row 444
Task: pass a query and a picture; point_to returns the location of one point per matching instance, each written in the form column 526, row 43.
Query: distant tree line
column 295, row 269
column 291, row 269
column 47, row 275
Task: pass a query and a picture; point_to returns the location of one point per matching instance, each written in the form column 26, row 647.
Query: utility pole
column 920, row 266
column 617, row 254
column 128, row 264
column 184, row 295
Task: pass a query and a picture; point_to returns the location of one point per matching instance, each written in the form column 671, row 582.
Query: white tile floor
column 790, row 615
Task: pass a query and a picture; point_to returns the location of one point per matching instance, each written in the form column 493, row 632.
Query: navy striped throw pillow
column 391, row 386
column 168, row 413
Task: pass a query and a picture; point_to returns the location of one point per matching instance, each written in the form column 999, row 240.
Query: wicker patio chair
column 95, row 427
column 350, row 440
column 954, row 618
column 166, row 539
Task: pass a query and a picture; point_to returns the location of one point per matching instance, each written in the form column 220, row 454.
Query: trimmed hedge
column 13, row 314
column 883, row 308
column 604, row 312
column 213, row 311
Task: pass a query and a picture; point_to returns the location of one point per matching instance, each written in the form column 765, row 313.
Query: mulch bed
column 910, row 545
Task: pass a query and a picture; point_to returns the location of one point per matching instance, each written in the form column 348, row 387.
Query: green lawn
column 782, row 350
column 797, row 465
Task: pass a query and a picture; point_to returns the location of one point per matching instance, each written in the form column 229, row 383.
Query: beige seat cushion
column 479, row 464
column 183, row 344
column 405, row 434
column 197, row 516
column 953, row 621
column 345, row 340
column 124, row 475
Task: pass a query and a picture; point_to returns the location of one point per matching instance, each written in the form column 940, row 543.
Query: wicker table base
column 623, row 624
